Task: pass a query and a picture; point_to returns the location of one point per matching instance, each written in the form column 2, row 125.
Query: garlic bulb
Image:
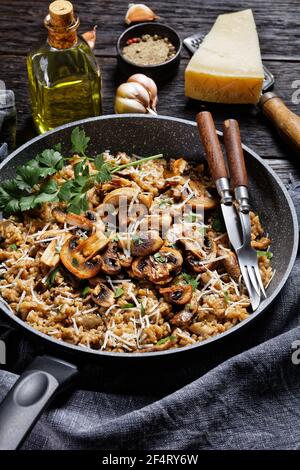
column 90, row 37
column 135, row 96
column 139, row 12
column 147, row 83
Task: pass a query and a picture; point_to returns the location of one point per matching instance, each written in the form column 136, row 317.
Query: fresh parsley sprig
column 33, row 184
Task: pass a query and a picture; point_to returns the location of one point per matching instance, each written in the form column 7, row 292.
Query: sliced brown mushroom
column 201, row 259
column 72, row 258
column 115, row 183
column 182, row 318
column 145, row 243
column 230, row 263
column 160, row 267
column 93, row 244
column 89, row 321
column 177, row 295
column 103, row 295
column 125, row 261
column 50, row 257
column 175, row 168
column 114, row 197
column 146, row 199
column 69, row 218
column 156, row 221
column 110, row 260
column 203, row 199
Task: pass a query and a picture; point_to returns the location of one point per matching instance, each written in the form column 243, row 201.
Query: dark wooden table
column 279, row 31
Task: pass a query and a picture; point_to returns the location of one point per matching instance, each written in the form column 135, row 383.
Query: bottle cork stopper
column 61, row 13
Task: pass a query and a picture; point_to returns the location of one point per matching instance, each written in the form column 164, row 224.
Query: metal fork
column 247, row 256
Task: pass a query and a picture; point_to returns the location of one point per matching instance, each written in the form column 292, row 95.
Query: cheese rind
column 227, row 67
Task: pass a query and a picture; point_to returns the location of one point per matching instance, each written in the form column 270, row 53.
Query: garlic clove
column 128, row 105
column 134, row 91
column 147, row 83
column 139, row 12
column 90, row 37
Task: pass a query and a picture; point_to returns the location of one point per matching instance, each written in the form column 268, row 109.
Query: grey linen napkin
column 242, row 394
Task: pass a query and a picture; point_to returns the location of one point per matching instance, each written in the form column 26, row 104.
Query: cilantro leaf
column 160, row 258
column 52, row 276
column 51, row 159
column 99, row 161
column 165, row 340
column 268, row 254
column 27, row 202
column 217, row 222
column 85, row 291
column 119, row 292
column 226, row 296
column 192, row 281
column 129, row 305
column 79, row 141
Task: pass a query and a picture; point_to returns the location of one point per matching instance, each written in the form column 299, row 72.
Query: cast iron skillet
column 143, row 135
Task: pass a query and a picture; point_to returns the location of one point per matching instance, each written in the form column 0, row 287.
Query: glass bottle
column 64, row 76
column 8, row 121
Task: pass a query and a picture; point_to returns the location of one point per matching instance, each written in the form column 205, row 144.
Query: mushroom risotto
column 119, row 253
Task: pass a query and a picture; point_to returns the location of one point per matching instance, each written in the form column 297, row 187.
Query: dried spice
column 149, row 50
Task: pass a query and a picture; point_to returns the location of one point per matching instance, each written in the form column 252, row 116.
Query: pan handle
column 286, row 122
column 29, row 396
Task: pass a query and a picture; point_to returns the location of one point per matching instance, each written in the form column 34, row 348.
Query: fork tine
column 254, row 297
column 253, row 279
column 246, row 280
column 258, row 277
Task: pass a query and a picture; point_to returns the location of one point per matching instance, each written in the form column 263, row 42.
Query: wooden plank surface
column 277, row 21
column 278, row 26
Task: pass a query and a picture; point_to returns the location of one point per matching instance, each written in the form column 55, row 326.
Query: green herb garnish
column 164, row 202
column 158, row 257
column 119, row 292
column 129, row 305
column 217, row 222
column 192, row 281
column 268, row 254
column 51, row 277
column 79, row 141
column 226, row 297
column 13, row 247
column 85, row 291
column 75, row 262
column 165, row 340
column 137, row 240
column 142, row 309
column 30, row 188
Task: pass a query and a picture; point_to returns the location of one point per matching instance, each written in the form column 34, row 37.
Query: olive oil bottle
column 64, row 77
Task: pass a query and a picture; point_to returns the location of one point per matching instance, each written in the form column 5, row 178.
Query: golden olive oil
column 64, row 77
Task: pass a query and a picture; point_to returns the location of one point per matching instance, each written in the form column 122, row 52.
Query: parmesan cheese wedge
column 227, row 67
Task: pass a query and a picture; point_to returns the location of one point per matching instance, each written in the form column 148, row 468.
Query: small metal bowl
column 159, row 72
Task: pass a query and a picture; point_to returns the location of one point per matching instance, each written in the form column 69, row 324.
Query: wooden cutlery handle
column 235, row 154
column 211, row 144
column 286, row 122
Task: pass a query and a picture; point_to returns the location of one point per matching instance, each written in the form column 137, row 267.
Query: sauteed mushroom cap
column 145, row 243
column 159, row 267
column 61, row 216
column 103, row 296
column 202, row 197
column 177, row 295
column 110, row 260
column 73, row 259
column 114, row 197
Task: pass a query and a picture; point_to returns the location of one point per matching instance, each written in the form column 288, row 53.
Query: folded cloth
column 242, row 394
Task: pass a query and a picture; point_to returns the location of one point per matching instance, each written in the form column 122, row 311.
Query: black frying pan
column 143, row 135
